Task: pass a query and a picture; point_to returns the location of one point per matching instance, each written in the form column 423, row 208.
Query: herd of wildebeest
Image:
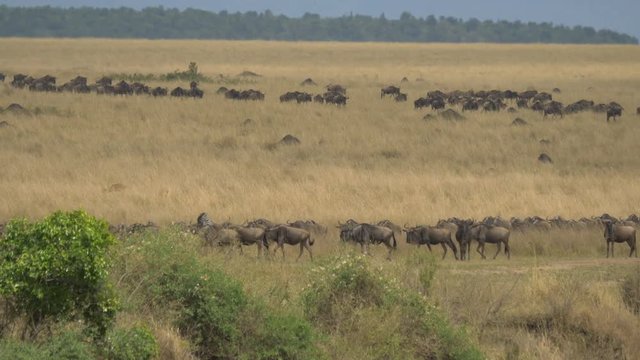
column 490, row 230
column 470, row 100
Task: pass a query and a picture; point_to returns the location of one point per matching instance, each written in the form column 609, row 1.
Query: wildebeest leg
column 390, row 248
column 445, row 250
column 306, row 245
column 481, row 245
column 507, row 250
column 612, row 243
column 469, row 250
column 607, row 249
column 301, row 250
column 259, row 245
column 499, row 246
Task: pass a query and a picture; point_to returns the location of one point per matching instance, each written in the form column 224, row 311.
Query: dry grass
column 177, row 158
column 373, row 159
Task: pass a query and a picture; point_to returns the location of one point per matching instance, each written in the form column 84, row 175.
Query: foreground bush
column 65, row 346
column 56, row 270
column 136, row 343
column 349, row 299
column 210, row 309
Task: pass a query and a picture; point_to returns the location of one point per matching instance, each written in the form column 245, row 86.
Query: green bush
column 137, row 343
column 342, row 283
column 68, row 346
column 271, row 335
column 208, row 304
column 16, row 350
column 65, row 346
column 56, row 269
column 346, row 296
column 631, row 291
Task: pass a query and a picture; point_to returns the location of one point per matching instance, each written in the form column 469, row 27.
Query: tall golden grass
column 373, row 159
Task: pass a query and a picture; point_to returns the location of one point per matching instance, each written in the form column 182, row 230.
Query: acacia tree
column 56, row 270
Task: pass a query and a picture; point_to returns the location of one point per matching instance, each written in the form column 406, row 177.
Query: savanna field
column 138, row 158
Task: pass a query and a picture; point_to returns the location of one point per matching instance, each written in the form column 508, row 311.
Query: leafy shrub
column 137, row 343
column 66, row 346
column 342, row 283
column 275, row 335
column 56, row 269
column 208, row 304
column 15, row 350
column 348, row 297
column 631, row 291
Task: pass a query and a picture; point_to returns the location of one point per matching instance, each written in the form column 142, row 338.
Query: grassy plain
column 372, row 159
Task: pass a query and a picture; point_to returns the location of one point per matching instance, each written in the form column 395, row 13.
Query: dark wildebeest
column 284, row 234
column 618, row 233
column 469, row 105
column 251, row 236
column 309, row 225
column 366, row 234
column 2, row 77
column 261, row 223
column 335, row 88
column 159, row 91
column 389, row 90
column 194, row 92
column 638, row 111
column 429, row 235
column 554, row 108
column 402, row 97
column 179, row 92
column 437, row 104
column 614, row 111
column 421, row 102
column 487, row 234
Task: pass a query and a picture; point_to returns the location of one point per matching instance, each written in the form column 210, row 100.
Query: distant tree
column 162, row 23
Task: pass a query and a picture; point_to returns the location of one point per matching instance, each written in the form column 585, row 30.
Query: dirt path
column 545, row 265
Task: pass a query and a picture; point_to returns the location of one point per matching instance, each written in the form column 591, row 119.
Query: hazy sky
column 619, row 15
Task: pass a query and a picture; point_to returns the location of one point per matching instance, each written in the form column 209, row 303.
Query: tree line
column 165, row 23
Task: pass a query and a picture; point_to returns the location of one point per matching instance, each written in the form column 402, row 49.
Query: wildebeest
column 366, row 234
column 159, row 91
column 284, row 234
column 553, row 108
column 309, row 225
column 618, row 233
column 429, row 235
column 487, row 234
column 389, row 90
column 336, row 88
column 261, row 223
column 614, row 111
column 194, row 91
column 2, row 77
column 469, row 105
column 251, row 236
column 401, row 97
column 437, row 104
column 421, row 102
column 638, row 111
column 335, row 98
column 298, row 96
column 178, row 92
